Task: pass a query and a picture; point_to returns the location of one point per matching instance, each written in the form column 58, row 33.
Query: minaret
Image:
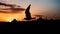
column 28, row 14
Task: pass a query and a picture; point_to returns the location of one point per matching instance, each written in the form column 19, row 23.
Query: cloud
column 10, row 5
column 12, row 9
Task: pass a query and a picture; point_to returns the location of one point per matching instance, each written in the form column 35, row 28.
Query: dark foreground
column 40, row 25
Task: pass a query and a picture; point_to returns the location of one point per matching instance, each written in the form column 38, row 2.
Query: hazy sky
column 41, row 7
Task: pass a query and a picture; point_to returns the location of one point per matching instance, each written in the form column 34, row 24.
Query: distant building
column 14, row 21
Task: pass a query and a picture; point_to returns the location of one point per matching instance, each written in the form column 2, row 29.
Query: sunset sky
column 49, row 8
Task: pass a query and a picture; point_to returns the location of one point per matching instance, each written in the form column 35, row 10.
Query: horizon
column 49, row 8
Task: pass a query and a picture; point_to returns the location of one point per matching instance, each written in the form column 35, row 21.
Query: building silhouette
column 14, row 21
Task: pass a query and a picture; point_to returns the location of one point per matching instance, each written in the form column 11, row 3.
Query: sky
column 49, row 8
